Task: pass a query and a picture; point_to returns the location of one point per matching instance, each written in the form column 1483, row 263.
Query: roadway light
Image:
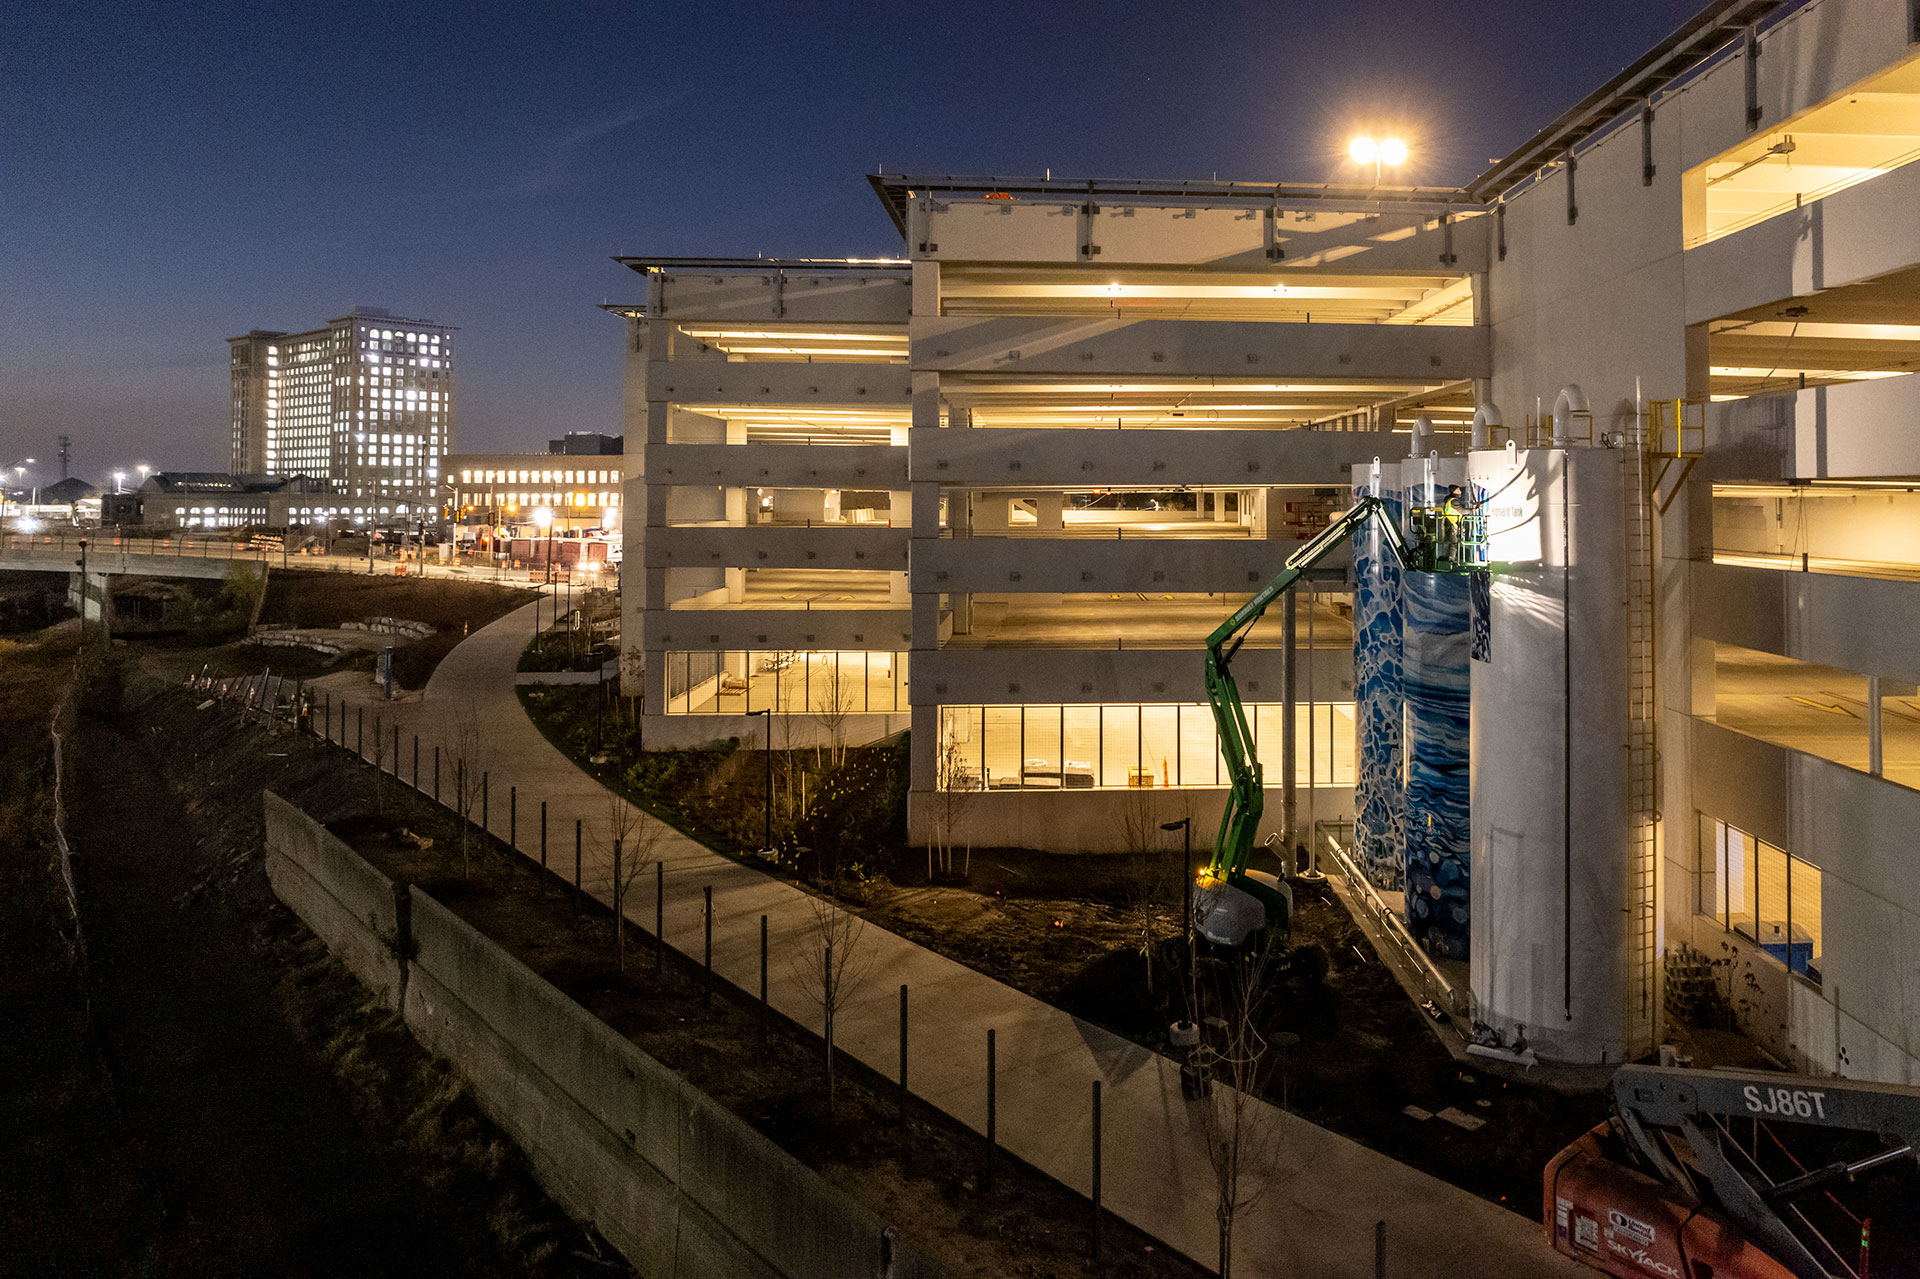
column 1379, row 152
column 118, row 477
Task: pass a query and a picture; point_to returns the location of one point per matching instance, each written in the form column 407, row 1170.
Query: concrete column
column 1050, row 508
column 900, row 508
column 897, row 592
column 1288, row 743
column 736, row 585
column 961, row 605
column 926, row 509
column 926, row 625
column 1874, row 757
column 926, row 400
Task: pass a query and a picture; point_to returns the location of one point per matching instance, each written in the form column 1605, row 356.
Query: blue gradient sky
column 172, row 174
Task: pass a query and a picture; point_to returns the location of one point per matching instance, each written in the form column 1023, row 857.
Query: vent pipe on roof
column 1422, row 439
column 1571, row 400
column 1486, row 416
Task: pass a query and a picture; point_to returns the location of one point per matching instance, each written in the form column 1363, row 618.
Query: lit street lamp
column 118, row 478
column 1388, row 152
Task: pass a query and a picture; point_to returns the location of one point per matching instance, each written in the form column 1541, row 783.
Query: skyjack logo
column 1639, row 1257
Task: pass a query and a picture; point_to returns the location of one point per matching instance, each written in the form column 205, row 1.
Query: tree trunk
column 1226, row 1244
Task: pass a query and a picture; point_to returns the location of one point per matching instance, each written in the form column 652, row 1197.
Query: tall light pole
column 19, row 470
column 543, row 517
column 768, row 848
column 1390, row 153
column 119, row 478
column 1185, row 827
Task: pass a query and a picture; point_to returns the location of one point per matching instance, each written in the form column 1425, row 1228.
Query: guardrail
column 21, row 546
column 1434, row 986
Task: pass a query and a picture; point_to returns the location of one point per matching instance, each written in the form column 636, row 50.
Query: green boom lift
column 1230, row 903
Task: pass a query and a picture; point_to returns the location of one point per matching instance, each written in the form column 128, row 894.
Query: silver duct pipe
column 1485, row 417
column 1571, row 400
column 1422, row 439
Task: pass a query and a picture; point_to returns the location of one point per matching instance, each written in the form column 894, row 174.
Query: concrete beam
column 858, row 466
column 1078, row 565
column 745, row 628
column 1158, row 349
column 772, row 546
column 768, row 385
column 1223, row 459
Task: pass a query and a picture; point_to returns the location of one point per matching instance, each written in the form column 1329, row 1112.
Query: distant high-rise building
column 365, row 404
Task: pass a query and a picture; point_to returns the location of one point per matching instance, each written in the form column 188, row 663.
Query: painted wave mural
column 1379, row 795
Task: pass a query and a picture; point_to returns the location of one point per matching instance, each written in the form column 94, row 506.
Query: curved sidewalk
column 1324, row 1192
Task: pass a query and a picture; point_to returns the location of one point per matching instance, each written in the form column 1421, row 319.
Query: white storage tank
column 1549, row 931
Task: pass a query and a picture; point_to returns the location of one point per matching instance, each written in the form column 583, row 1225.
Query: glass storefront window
column 786, row 682
column 1052, row 747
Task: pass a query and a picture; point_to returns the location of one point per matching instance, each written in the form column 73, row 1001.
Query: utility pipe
column 1571, row 400
column 1422, row 437
column 1486, row 416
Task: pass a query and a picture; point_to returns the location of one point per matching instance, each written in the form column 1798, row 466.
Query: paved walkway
column 1324, row 1192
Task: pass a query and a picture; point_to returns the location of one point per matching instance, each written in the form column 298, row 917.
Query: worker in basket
column 1453, row 519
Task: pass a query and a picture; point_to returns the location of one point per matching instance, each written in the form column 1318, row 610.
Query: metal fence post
column 706, row 993
column 903, row 1057
column 576, row 863
column 659, row 914
column 993, row 1113
column 360, row 731
column 1096, row 1170
column 513, row 818
column 543, row 834
column 396, row 750
column 484, row 824
column 436, row 774
column 416, row 761
column 1379, row 1250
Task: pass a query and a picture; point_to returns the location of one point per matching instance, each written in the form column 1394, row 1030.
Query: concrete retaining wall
column 351, row 906
column 679, row 1184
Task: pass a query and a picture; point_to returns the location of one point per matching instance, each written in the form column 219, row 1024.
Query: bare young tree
column 470, row 750
column 1153, row 877
column 954, row 787
column 829, row 966
column 1239, row 1129
column 633, row 844
column 834, row 694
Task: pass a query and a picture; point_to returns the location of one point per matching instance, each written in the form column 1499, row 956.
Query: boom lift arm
column 1230, row 903
column 1661, row 1189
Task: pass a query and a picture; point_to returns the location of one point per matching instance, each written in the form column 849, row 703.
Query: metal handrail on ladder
column 1676, row 438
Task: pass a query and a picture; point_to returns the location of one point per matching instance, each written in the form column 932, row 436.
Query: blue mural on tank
column 1436, row 686
column 1379, row 798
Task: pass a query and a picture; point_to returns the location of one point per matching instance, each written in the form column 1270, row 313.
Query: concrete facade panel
column 969, row 677
column 775, row 546
column 741, row 628
column 800, row 297
column 855, row 466
column 1860, row 624
column 1236, row 565
column 769, row 384
column 1097, row 346
column 1227, row 459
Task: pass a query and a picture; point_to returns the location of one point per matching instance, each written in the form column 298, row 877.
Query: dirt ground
column 1067, row 930
column 1352, row 1053
column 218, row 1097
column 927, row 1181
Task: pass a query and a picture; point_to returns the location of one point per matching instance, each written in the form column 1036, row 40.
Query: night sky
column 172, row 174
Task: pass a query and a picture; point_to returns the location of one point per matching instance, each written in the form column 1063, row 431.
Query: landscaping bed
column 1074, row 931
column 768, row 1070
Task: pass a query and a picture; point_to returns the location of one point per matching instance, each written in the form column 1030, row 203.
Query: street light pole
column 1185, row 826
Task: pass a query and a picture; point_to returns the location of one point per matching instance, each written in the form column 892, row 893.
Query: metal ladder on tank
column 1636, row 458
